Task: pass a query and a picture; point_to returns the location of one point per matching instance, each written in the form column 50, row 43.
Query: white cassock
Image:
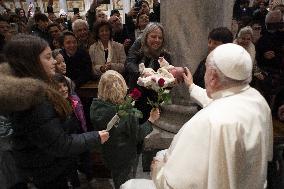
column 226, row 145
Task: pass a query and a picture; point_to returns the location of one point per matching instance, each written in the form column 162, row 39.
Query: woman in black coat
column 42, row 150
column 147, row 50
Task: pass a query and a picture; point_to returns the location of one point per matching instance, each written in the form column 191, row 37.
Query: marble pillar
column 187, row 24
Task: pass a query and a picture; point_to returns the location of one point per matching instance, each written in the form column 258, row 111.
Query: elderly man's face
column 207, row 77
column 81, row 32
column 211, row 78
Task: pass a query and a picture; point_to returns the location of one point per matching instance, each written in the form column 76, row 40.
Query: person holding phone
column 76, row 12
column 142, row 7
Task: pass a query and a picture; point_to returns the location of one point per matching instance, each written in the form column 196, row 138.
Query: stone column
column 187, row 24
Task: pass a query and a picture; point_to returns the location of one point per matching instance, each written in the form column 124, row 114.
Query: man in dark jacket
column 270, row 53
column 40, row 28
column 216, row 37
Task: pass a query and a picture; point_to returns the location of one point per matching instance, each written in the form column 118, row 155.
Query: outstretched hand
column 104, row 135
column 154, row 115
column 187, row 77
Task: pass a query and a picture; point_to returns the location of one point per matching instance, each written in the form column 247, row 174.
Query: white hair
column 225, row 81
column 79, row 22
column 245, row 30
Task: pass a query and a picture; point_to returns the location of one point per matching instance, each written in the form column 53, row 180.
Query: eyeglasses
column 257, row 28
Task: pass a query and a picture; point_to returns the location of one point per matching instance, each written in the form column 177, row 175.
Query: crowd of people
column 45, row 60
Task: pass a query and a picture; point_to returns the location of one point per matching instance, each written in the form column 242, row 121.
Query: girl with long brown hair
column 43, row 151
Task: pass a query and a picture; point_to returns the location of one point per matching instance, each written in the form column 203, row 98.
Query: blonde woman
column 119, row 152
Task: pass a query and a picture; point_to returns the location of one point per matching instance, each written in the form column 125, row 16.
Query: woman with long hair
column 147, row 50
column 43, row 151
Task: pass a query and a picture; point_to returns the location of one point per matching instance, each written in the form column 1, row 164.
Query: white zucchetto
column 233, row 61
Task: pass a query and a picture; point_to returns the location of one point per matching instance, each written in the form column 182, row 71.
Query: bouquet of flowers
column 163, row 95
column 127, row 108
column 165, row 77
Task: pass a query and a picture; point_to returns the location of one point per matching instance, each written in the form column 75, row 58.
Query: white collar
column 230, row 91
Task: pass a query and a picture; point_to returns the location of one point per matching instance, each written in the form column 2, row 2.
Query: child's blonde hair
column 112, row 87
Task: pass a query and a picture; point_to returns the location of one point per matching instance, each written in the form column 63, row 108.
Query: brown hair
column 22, row 54
column 100, row 24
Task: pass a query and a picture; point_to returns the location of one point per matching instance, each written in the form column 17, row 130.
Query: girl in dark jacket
column 41, row 148
column 84, row 163
column 119, row 152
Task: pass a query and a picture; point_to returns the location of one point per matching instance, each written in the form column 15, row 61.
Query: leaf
column 122, row 113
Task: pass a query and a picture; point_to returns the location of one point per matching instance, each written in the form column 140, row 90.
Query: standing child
column 84, row 163
column 119, row 153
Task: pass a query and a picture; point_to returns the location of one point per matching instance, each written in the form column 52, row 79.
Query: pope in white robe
column 226, row 145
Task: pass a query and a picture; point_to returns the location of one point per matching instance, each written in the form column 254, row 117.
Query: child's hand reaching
column 154, row 115
column 104, row 135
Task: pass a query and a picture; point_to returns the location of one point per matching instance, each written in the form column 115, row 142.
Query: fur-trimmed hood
column 17, row 94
